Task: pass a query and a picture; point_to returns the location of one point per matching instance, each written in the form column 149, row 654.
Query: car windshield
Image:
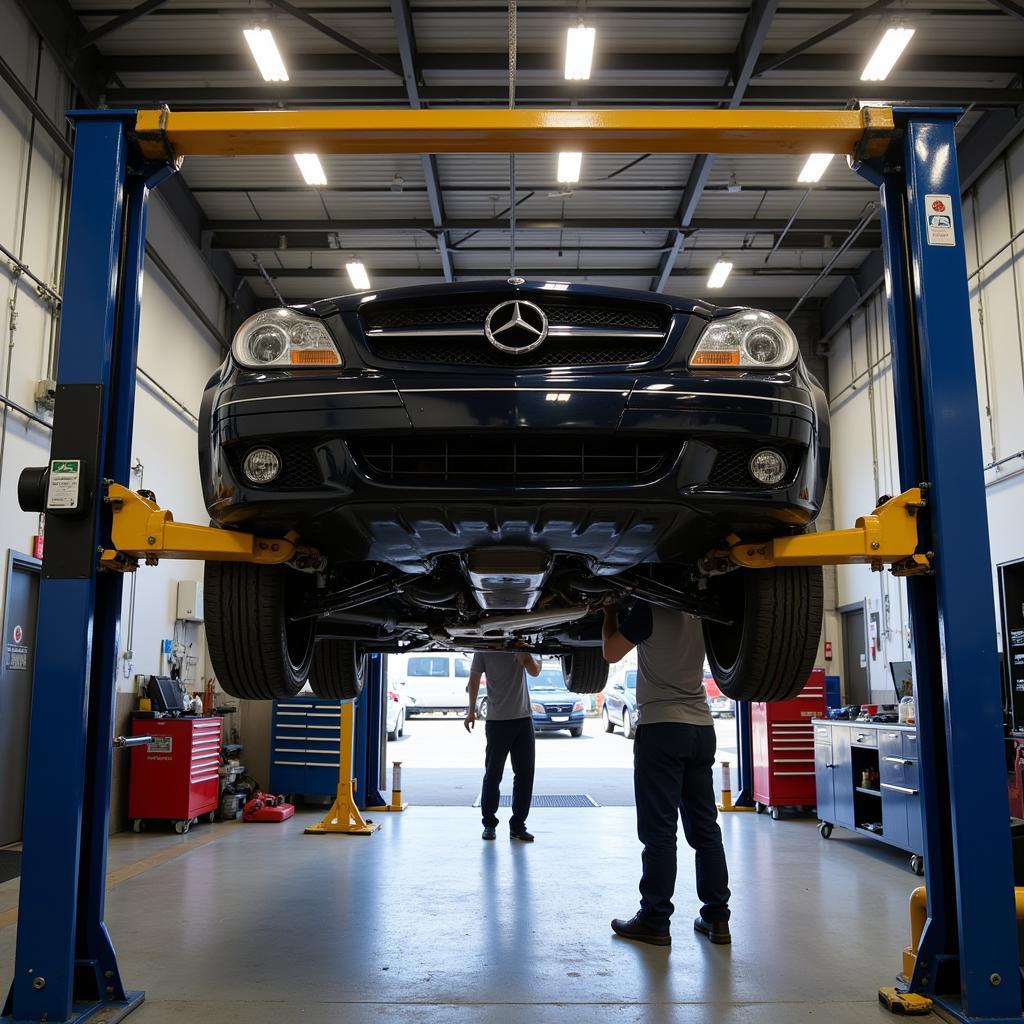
column 631, row 680
column 549, row 681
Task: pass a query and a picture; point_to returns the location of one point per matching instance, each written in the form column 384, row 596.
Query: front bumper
column 547, row 723
column 337, row 501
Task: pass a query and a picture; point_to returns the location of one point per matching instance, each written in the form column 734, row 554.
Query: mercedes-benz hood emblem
column 516, row 326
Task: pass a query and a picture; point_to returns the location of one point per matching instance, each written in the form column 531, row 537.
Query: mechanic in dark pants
column 673, row 756
column 509, row 729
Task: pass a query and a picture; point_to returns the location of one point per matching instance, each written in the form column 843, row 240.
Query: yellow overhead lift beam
column 858, row 133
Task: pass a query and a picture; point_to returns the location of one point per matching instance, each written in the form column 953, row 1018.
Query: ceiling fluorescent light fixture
column 815, row 167
column 719, row 272
column 358, row 276
column 888, row 51
column 312, row 169
column 579, row 53
column 265, row 52
column 569, row 167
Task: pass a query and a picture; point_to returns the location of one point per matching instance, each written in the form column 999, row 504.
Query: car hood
column 514, row 287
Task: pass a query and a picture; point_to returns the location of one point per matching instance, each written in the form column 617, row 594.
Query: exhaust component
column 500, row 626
column 507, row 578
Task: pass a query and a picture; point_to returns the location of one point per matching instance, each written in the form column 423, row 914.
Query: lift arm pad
column 142, row 530
column 886, row 537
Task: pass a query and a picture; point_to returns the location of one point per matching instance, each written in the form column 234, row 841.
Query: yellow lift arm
column 142, row 531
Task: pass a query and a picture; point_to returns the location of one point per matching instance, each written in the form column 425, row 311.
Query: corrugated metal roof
column 678, row 36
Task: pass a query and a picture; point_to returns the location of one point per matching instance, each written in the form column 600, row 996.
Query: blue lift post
column 65, row 966
column 369, row 738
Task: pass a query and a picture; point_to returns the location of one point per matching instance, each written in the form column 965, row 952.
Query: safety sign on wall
column 938, row 211
column 16, row 654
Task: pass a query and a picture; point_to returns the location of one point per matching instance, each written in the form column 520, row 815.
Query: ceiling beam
column 755, row 31
column 375, row 59
column 275, row 95
column 126, row 18
column 531, row 273
column 743, row 225
column 779, row 59
column 413, row 76
column 673, row 62
column 807, row 242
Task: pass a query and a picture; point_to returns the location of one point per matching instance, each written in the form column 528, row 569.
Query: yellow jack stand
column 396, row 791
column 907, row 1004
column 727, row 804
column 344, row 817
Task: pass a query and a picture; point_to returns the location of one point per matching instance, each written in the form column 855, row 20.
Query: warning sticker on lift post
column 938, row 211
column 63, row 490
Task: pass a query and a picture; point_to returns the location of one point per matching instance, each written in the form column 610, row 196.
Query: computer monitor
column 902, row 679
column 165, row 694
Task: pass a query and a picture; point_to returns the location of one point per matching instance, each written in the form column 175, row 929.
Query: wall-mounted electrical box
column 190, row 601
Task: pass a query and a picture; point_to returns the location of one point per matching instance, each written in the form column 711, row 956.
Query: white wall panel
column 863, row 414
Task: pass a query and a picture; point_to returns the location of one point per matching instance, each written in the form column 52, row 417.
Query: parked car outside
column 482, row 463
column 721, row 706
column 396, row 711
column 432, row 682
column 619, row 709
column 554, row 706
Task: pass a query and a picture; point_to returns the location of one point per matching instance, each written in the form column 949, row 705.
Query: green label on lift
column 63, row 489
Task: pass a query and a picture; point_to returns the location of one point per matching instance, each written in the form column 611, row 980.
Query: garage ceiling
column 639, row 221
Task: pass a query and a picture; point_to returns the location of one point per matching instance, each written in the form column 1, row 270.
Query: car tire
column 482, row 712
column 627, row 724
column 339, row 670
column 398, row 729
column 577, row 732
column 609, row 725
column 768, row 652
column 256, row 652
column 585, row 670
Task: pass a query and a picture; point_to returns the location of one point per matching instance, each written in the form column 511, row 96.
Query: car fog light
column 261, row 466
column 767, row 467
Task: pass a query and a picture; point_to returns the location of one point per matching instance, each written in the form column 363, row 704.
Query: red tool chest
column 177, row 777
column 783, row 746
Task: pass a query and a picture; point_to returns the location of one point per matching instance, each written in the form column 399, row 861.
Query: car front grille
column 462, row 351
column 731, row 471
column 503, row 459
column 420, row 335
column 558, row 709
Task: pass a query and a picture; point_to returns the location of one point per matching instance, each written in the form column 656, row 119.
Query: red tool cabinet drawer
column 177, row 776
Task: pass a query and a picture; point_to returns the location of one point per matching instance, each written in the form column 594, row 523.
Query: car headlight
column 283, row 337
column 539, row 709
column 751, row 340
column 578, row 706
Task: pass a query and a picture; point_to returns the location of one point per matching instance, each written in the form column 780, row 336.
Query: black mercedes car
column 485, row 464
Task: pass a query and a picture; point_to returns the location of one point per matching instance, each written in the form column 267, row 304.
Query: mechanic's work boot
column 717, row 931
column 489, row 833
column 523, row 836
column 635, row 928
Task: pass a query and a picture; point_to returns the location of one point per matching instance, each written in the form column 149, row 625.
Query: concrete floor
column 423, row 923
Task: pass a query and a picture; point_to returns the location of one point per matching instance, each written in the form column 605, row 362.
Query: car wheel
column 609, row 725
column 628, row 728
column 257, row 652
column 401, row 723
column 482, row 713
column 577, row 732
column 768, row 652
column 339, row 670
column 585, row 670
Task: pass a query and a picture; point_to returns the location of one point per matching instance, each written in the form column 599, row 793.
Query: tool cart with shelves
column 885, row 805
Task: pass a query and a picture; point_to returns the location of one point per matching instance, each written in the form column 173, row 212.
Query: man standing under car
column 673, row 756
column 509, row 731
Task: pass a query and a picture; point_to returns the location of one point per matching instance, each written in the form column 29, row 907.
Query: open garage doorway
column 585, row 761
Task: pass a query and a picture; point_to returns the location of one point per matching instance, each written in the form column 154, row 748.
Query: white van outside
column 431, row 681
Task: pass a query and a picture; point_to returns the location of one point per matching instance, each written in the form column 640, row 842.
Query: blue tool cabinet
column 305, row 746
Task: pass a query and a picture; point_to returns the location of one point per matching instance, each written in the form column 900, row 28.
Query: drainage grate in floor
column 551, row 800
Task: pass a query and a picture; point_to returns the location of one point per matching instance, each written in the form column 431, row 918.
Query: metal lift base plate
column 102, row 1013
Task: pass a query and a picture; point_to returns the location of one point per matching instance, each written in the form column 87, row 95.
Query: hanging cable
column 512, row 57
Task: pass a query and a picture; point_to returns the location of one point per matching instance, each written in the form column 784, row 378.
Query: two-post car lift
column 967, row 959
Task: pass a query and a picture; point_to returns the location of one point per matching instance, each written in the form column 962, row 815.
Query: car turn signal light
column 716, row 358
column 314, row 357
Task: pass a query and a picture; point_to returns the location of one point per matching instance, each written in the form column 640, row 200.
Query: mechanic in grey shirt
column 509, row 730
column 673, row 757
